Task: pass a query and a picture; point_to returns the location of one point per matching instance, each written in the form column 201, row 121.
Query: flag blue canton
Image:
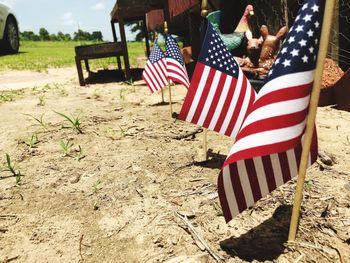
column 157, row 54
column 173, row 50
column 215, row 54
column 299, row 50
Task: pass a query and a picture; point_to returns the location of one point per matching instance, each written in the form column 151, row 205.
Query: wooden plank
column 177, row 7
column 124, row 47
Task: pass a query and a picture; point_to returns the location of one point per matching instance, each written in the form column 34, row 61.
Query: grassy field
column 39, row 56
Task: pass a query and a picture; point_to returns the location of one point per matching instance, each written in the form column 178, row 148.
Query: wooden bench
column 103, row 50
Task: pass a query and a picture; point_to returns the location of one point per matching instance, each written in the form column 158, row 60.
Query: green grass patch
column 41, row 55
column 10, row 95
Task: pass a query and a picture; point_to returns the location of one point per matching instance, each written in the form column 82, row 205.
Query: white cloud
column 98, row 6
column 68, row 19
column 9, row 3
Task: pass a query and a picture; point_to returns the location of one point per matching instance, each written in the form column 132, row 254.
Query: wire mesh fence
column 277, row 13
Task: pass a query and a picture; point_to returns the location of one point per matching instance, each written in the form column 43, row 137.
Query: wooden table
column 102, row 50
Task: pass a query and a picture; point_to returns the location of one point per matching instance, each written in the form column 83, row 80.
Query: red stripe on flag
column 215, row 100
column 238, row 107
column 269, row 172
column 151, row 85
column 226, row 105
column 283, row 159
column 151, row 74
column 222, row 196
column 204, row 96
column 253, row 179
column 191, row 91
column 263, row 150
column 282, row 95
column 237, row 187
column 277, row 122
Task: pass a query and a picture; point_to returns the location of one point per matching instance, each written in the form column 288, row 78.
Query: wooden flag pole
column 166, row 30
column 204, row 13
column 327, row 21
column 155, row 39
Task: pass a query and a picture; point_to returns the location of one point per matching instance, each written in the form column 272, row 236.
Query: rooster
column 235, row 38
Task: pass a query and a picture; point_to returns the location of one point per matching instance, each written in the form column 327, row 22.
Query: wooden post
column 146, row 36
column 204, row 13
column 166, row 30
column 125, row 46
column 327, row 21
column 115, row 39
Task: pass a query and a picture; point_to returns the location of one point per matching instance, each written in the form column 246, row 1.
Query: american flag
column 267, row 149
column 155, row 72
column 175, row 63
column 219, row 94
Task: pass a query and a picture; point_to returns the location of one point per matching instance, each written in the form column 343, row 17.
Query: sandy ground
column 119, row 194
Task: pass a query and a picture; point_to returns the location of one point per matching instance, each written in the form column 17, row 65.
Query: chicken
column 235, row 39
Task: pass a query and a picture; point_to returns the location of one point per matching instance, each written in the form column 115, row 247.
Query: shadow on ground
column 264, row 242
column 4, row 53
column 215, row 160
column 108, row 76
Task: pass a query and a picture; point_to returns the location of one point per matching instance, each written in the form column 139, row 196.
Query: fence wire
column 277, row 13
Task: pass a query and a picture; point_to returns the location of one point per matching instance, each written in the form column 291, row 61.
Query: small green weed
column 66, row 147
column 32, row 141
column 96, row 186
column 131, row 83
column 122, row 94
column 39, row 120
column 41, row 100
column 11, row 169
column 80, row 155
column 75, row 121
column 6, row 96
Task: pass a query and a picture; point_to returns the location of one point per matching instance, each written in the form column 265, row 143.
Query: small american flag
column 267, row 149
column 155, row 72
column 175, row 63
column 219, row 94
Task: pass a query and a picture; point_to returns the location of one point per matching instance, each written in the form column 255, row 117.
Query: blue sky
column 65, row 15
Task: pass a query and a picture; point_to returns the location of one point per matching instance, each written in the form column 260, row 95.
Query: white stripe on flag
column 243, row 177
column 149, row 82
column 292, row 162
column 162, row 64
column 160, row 76
column 286, row 81
column 260, row 172
column 198, row 94
column 277, row 109
column 243, row 110
column 209, row 100
column 221, row 102
column 268, row 137
column 230, row 195
column 233, row 103
column 154, row 76
column 276, row 167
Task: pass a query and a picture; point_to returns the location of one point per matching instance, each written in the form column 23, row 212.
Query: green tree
column 82, row 35
column 29, row 35
column 97, row 36
column 138, row 27
column 44, row 34
column 53, row 37
column 67, row 37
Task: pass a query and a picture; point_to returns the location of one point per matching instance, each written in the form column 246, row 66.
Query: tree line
column 44, row 35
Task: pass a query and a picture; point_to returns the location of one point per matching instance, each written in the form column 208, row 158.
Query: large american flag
column 267, row 149
column 175, row 63
column 155, row 72
column 219, row 94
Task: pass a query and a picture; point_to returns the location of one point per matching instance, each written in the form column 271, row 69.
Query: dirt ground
column 126, row 182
